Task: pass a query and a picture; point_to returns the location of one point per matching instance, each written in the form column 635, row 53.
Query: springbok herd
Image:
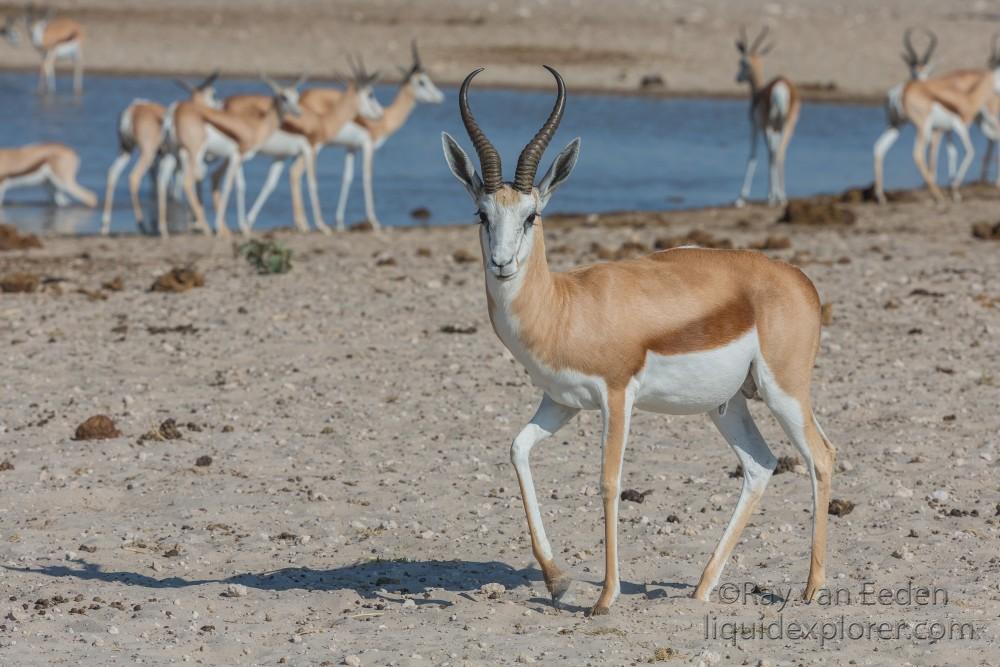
column 289, row 126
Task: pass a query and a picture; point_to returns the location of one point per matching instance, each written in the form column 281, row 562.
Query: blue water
column 638, row 152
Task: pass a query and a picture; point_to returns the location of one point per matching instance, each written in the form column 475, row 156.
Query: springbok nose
column 500, row 262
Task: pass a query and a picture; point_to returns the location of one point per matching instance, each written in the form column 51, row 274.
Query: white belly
column 36, row 177
column 219, row 144
column 68, row 50
column 351, row 135
column 696, row 382
column 281, row 145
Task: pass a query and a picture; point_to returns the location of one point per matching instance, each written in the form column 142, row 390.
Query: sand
column 335, row 483
column 848, row 50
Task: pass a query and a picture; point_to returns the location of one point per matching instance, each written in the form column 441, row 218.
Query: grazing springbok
column 53, row 165
column 774, row 110
column 140, row 127
column 367, row 135
column 682, row 331
column 945, row 105
column 55, row 38
column 301, row 138
column 194, row 131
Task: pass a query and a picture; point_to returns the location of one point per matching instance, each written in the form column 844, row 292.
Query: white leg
column 78, row 70
column 227, row 185
column 273, row 174
column 3, row 191
column 751, row 167
column 963, row 134
column 952, row 155
column 241, row 201
column 167, row 167
column 367, row 156
column 50, row 75
column 548, row 419
column 345, row 188
column 773, row 179
column 114, row 173
column 882, row 146
column 740, row 431
column 314, row 191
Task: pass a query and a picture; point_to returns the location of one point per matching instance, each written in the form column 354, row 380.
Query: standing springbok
column 774, row 110
column 681, row 331
column 58, row 38
column 993, row 110
column 195, row 131
column 53, row 165
column 301, row 138
column 945, row 105
column 367, row 135
column 140, row 127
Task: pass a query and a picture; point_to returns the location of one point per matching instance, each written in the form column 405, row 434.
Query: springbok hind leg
column 794, row 412
column 548, row 419
column 736, row 424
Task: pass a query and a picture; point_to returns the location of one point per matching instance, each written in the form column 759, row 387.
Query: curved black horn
column 208, row 81
column 741, row 42
column 911, row 54
column 185, row 85
column 759, row 40
column 931, row 45
column 489, row 158
column 417, row 65
column 527, row 162
column 995, row 50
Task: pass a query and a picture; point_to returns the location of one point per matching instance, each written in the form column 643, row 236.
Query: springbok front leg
column 367, row 158
column 295, row 185
column 549, row 418
column 273, row 174
column 114, row 173
column 882, row 146
column 736, row 424
column 345, row 187
column 147, row 156
column 78, row 70
column 47, row 74
column 751, row 167
column 962, row 132
column 310, row 158
column 617, row 415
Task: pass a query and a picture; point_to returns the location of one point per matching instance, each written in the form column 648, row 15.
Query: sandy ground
column 844, row 50
column 360, row 501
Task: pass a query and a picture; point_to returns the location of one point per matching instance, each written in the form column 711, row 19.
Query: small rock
column 235, row 591
column 840, row 507
column 203, row 461
column 492, row 590
column 352, row 661
column 409, row 604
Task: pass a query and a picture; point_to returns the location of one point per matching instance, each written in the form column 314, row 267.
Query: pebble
column 352, row 661
column 235, row 591
column 408, row 603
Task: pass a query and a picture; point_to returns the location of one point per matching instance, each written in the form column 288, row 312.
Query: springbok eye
column 482, row 217
column 530, row 220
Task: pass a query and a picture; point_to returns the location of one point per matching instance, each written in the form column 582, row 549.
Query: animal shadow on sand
column 366, row 578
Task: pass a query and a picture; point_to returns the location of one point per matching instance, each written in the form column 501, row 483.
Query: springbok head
column 508, row 211
column 751, row 53
column 9, row 30
column 919, row 65
column 364, row 83
column 419, row 81
column 286, row 98
column 34, row 15
column 204, row 91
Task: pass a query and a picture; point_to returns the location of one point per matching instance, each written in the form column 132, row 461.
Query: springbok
column 193, row 131
column 945, row 105
column 774, row 110
column 58, row 38
column 993, row 110
column 367, row 135
column 681, row 331
column 53, row 165
column 301, row 138
column 140, row 126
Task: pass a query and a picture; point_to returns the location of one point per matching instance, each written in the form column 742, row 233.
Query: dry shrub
column 986, row 231
column 178, row 280
column 812, row 212
column 12, row 239
column 19, row 282
column 98, row 427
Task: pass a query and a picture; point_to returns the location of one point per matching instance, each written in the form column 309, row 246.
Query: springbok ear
column 560, row 170
column 461, row 166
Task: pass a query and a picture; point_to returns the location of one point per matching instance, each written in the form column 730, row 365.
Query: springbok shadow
column 365, row 578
